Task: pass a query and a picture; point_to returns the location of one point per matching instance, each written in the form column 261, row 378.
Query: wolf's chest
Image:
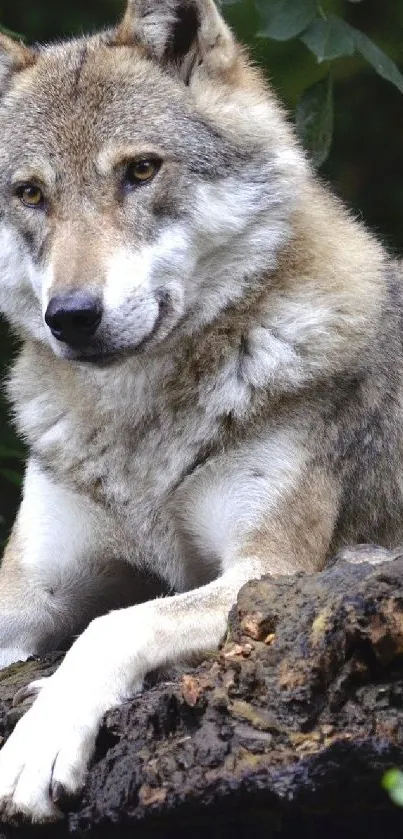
column 125, row 451
column 126, row 439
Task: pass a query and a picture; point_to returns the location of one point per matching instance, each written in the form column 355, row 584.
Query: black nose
column 73, row 318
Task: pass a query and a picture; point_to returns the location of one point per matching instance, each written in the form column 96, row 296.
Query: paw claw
column 21, row 695
column 28, row 691
column 61, row 797
column 58, row 793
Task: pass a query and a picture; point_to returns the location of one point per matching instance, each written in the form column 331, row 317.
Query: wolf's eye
column 140, row 171
column 30, row 195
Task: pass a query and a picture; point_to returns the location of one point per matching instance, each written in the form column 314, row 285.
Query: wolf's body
column 233, row 405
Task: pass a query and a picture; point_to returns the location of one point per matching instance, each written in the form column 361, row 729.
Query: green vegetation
column 393, row 783
column 329, row 37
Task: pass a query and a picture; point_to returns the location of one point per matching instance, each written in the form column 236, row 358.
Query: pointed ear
column 183, row 34
column 14, row 56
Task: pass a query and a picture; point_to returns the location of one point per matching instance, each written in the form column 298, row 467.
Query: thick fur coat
column 210, row 380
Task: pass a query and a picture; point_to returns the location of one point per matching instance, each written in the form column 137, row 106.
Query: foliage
column 393, row 783
column 314, row 119
column 329, row 37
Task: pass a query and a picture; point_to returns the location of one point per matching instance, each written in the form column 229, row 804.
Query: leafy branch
column 328, row 37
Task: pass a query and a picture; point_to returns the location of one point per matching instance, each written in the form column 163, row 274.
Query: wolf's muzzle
column 74, row 318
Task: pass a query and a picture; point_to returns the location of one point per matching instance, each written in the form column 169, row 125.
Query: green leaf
column 329, row 38
column 391, row 778
column 381, row 62
column 284, row 19
column 333, row 38
column 392, row 781
column 314, row 120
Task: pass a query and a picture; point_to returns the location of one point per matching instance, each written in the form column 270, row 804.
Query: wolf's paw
column 44, row 761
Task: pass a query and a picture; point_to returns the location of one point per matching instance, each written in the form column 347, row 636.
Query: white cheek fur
column 20, row 284
column 233, row 230
column 125, row 273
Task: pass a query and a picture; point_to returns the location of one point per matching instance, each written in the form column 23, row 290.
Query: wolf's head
column 146, row 177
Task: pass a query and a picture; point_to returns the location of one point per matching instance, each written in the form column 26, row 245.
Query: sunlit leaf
column 314, row 120
column 396, row 795
column 329, row 38
column 284, row 19
column 392, row 781
column 391, row 778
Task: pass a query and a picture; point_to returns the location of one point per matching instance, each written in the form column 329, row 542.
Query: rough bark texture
column 286, row 732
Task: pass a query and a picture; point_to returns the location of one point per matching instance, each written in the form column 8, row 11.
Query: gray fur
column 238, row 409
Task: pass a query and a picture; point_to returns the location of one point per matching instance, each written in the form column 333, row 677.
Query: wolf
column 210, row 374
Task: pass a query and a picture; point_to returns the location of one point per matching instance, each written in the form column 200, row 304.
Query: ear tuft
column 182, row 34
column 14, row 56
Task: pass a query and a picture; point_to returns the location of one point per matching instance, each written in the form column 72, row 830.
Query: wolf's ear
column 14, row 56
column 180, row 33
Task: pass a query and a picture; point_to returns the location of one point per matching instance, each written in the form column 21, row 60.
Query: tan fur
column 300, row 531
column 18, row 56
column 77, row 252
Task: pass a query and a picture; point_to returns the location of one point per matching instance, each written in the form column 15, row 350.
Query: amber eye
column 140, row 171
column 30, row 195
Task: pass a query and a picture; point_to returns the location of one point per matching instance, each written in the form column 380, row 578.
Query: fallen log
column 287, row 730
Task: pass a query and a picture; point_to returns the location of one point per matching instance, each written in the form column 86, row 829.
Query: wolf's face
column 140, row 173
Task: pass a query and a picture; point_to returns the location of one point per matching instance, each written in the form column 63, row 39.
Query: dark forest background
column 365, row 163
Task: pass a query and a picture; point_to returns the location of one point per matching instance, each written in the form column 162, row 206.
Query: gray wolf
column 210, row 379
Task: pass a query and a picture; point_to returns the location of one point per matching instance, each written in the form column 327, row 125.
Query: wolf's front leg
column 252, row 529
column 51, row 576
column 47, row 755
column 260, row 511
